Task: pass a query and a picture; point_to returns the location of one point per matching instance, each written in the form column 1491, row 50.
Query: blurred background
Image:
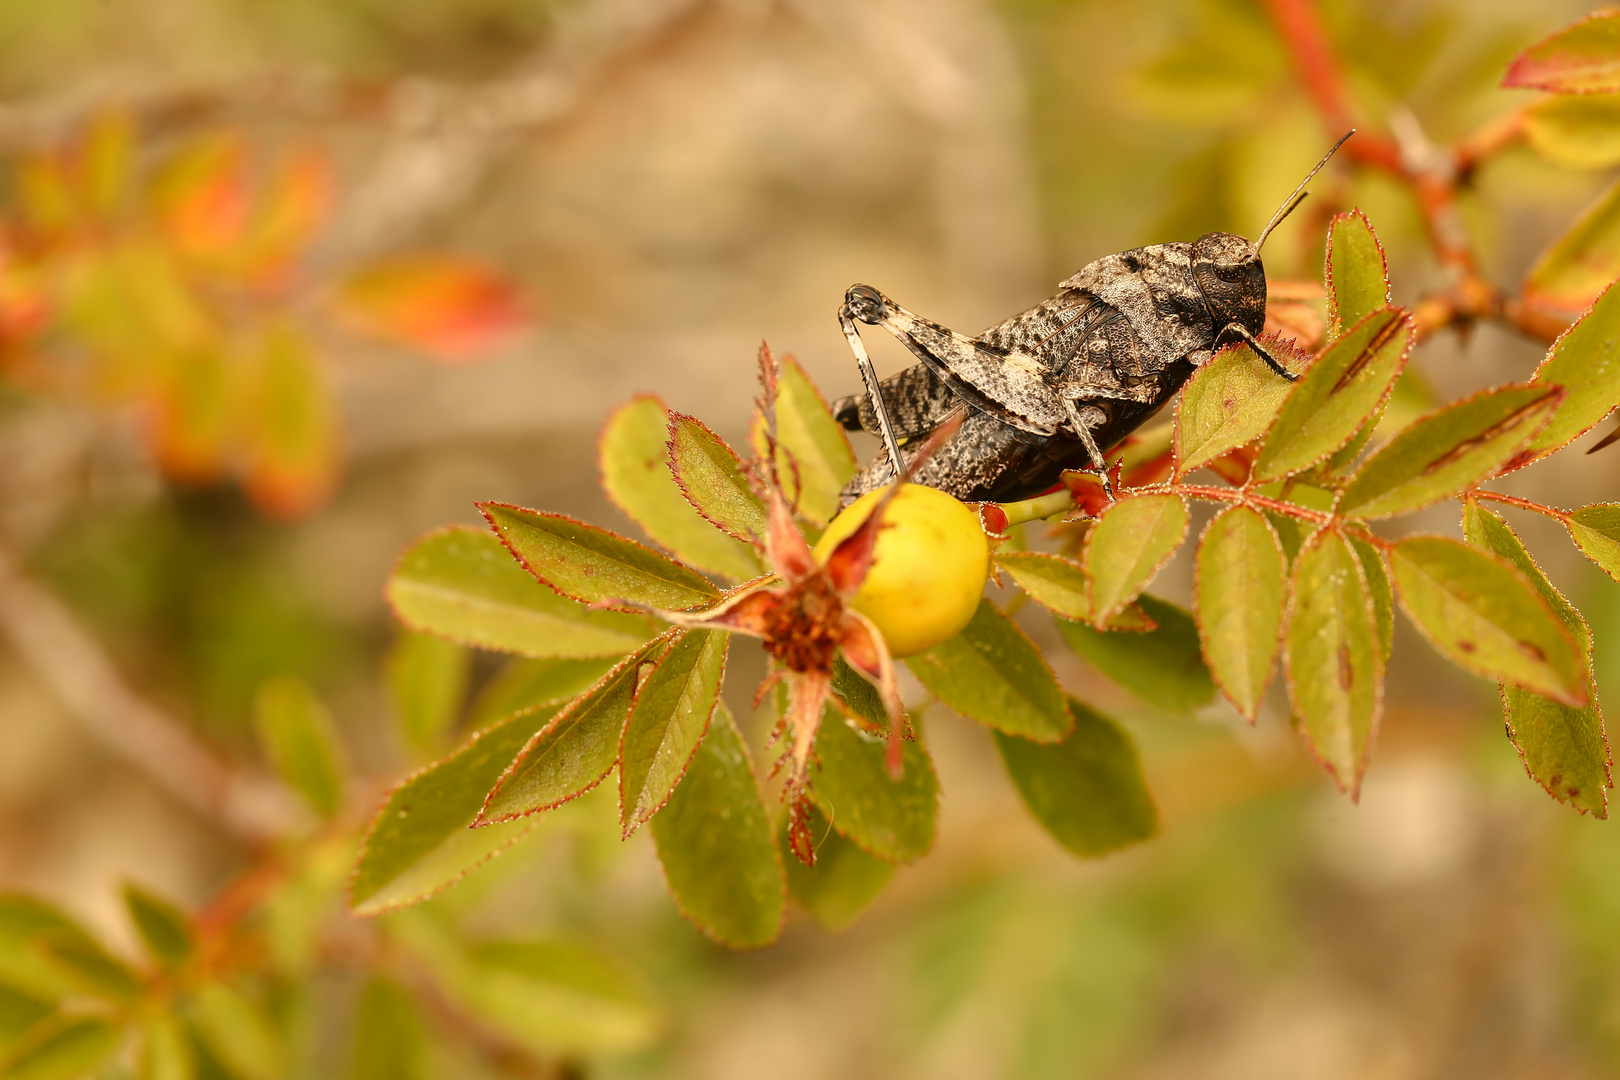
column 394, row 256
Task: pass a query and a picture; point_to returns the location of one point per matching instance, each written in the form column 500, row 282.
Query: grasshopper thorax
column 1232, row 279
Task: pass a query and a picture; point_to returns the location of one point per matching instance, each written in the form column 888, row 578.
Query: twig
column 46, row 635
column 1522, row 504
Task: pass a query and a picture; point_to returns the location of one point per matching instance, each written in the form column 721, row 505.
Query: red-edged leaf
column 451, row 308
column 1582, row 58
column 667, row 723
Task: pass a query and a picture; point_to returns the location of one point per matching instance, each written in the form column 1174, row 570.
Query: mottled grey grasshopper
column 1058, row 386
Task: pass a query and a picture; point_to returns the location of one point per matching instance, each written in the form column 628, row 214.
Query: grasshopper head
column 1229, row 273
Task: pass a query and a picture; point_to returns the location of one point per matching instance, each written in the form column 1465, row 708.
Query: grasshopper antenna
column 1299, row 193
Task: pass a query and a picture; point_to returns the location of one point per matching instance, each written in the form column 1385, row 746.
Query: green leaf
column 572, row 752
column 844, row 880
column 85, row 965
column 813, row 455
column 1239, row 587
column 634, row 455
column 1229, row 402
column 1580, row 131
column 166, row 1053
column 859, row 696
column 1357, row 272
column 1382, row 592
column 238, row 1030
column 26, row 922
column 288, row 424
column 1125, row 549
column 298, row 736
column 422, row 840
column 592, row 564
column 1336, row 395
column 1585, row 361
column 19, row 1011
column 427, row 679
column 389, row 1043
column 523, row 683
column 1596, row 531
column 560, row 999
column 1162, row 666
column 461, row 584
column 667, row 722
column 1563, row 748
column 891, row 819
column 1335, row 664
column 715, row 844
column 1582, row 58
column 992, row 673
column 164, row 929
column 1575, row 270
column 1449, row 450
column 1088, row 790
column 1060, row 586
column 710, row 475
column 1484, row 616
column 60, row 1048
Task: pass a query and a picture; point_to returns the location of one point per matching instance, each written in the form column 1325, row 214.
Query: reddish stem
column 1247, row 497
column 1522, row 504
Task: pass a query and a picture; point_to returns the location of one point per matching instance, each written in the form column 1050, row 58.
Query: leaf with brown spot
column 1334, row 664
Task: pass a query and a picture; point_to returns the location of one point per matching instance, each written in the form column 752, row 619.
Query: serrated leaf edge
column 629, row 827
column 1282, row 622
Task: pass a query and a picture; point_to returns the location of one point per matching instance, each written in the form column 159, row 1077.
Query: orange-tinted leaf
column 105, row 159
column 290, row 425
column 200, row 196
column 1582, row 58
column 295, row 202
column 191, row 415
column 450, row 308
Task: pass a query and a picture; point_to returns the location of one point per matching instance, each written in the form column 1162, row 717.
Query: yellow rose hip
column 928, row 569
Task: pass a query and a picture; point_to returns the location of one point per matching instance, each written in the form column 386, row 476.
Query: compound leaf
column 1060, row 586
column 1578, row 132
column 1596, row 531
column 1585, row 361
column 1132, row 539
column 462, row 585
column 1239, row 585
column 427, row 680
column 891, row 819
column 422, row 840
column 1230, row 401
column 573, row 751
column 164, row 929
column 715, row 843
column 1357, row 272
column 1582, row 58
column 844, row 880
column 558, row 998
column 1336, row 395
column 1563, row 747
column 1162, row 666
column 591, row 564
column 711, row 477
column 1484, row 616
column 1449, row 450
column 667, row 722
column 297, row 734
column 60, row 1048
column 1335, row 665
column 1087, row 791
column 992, row 673
column 813, row 458
column 634, row 456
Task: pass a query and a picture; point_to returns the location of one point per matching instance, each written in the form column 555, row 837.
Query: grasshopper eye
column 1229, row 274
